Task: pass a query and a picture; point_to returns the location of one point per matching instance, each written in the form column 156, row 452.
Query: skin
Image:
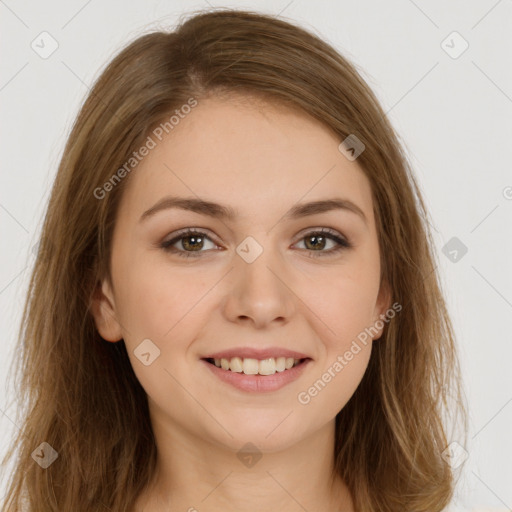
column 260, row 159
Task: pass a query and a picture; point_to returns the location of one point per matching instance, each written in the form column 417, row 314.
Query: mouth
column 253, row 375
column 259, row 367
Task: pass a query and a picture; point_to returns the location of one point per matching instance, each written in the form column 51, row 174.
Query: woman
column 238, row 306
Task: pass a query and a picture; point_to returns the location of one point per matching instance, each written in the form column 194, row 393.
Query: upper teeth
column 251, row 366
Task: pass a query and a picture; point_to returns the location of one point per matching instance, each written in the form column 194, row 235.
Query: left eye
column 319, row 240
column 192, row 242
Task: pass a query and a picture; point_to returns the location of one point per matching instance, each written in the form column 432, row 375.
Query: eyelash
column 326, row 232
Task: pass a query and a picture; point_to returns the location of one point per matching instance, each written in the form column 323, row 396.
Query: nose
column 259, row 292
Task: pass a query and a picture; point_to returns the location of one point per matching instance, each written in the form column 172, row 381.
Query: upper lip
column 256, row 353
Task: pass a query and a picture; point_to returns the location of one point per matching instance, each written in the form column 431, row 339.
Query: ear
column 382, row 305
column 104, row 312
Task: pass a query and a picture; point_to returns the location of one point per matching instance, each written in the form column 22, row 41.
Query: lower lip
column 258, row 383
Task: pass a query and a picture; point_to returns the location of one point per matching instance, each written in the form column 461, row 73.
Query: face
column 274, row 278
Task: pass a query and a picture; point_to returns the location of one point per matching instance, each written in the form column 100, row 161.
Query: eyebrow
column 226, row 212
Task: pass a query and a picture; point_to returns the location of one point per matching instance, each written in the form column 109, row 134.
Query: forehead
column 250, row 154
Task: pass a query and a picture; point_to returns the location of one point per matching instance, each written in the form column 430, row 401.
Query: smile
column 251, row 366
column 257, row 375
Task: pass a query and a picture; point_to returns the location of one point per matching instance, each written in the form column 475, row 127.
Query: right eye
column 191, row 240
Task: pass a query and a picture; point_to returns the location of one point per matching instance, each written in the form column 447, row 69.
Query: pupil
column 317, row 244
column 194, row 239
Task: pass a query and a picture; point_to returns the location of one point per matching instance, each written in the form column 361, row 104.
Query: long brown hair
column 79, row 394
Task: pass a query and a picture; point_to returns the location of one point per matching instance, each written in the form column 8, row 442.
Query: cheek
column 334, row 384
column 345, row 309
column 345, row 302
column 164, row 307
column 156, row 300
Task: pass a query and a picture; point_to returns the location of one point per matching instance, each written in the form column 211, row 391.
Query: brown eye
column 187, row 243
column 316, row 241
column 192, row 242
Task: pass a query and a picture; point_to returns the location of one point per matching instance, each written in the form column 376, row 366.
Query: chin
column 267, row 436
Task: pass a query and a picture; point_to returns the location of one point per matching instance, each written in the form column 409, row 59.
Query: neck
column 193, row 475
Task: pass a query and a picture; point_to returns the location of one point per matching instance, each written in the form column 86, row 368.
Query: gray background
column 454, row 116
